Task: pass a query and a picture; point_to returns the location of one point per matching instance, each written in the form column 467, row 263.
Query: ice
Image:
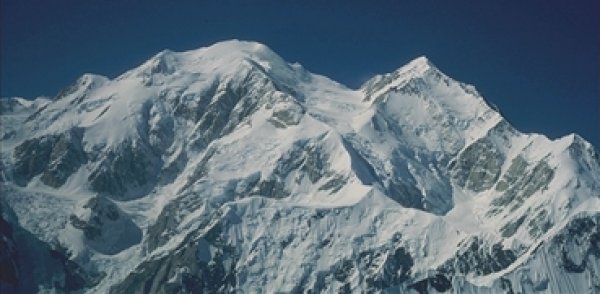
column 300, row 174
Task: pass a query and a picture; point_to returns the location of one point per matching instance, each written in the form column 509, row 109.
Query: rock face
column 29, row 265
column 478, row 167
column 55, row 157
column 105, row 227
column 226, row 169
column 127, row 172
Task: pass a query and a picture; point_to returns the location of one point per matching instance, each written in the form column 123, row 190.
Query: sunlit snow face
column 226, row 164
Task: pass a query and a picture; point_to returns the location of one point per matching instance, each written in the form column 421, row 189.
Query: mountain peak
column 420, row 64
column 224, row 58
column 235, row 49
column 240, row 46
column 416, row 68
column 198, row 171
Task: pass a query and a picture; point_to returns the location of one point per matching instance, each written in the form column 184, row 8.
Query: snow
column 403, row 127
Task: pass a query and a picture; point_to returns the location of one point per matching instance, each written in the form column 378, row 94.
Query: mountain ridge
column 242, row 171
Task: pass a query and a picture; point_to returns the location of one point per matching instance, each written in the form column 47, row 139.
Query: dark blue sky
column 539, row 61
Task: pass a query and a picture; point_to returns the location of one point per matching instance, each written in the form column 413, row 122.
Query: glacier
column 227, row 169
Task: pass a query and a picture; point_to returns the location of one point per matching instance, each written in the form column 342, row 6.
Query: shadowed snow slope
column 227, row 169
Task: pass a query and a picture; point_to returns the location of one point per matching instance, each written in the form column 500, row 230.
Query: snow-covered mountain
column 227, row 169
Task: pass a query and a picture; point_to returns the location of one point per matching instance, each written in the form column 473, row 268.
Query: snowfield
column 227, row 169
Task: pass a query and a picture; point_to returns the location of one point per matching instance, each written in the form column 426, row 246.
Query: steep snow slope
column 228, row 169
